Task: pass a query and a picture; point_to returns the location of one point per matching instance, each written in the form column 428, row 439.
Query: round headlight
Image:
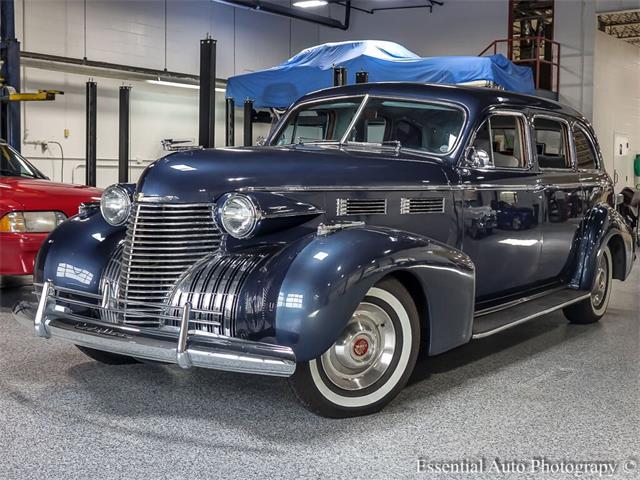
column 239, row 216
column 115, row 205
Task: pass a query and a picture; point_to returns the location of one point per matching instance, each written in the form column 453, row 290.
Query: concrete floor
column 543, row 389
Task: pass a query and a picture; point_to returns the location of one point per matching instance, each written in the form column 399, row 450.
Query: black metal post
column 230, row 113
column 339, row 76
column 248, row 123
column 10, row 57
column 362, row 77
column 123, row 135
column 91, row 157
column 207, row 115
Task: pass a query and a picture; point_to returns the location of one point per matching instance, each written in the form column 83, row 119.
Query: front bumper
column 185, row 348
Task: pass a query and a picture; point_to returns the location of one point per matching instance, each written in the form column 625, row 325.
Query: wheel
column 107, row 358
column 593, row 308
column 516, row 223
column 369, row 363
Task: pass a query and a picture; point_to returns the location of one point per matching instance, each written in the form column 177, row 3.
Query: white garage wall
column 617, row 102
column 133, row 32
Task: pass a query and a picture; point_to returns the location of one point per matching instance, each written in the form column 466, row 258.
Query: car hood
column 203, row 175
column 18, row 193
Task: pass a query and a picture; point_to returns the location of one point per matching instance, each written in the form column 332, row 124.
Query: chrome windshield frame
column 344, row 142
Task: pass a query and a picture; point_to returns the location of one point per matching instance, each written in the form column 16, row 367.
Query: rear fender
column 601, row 225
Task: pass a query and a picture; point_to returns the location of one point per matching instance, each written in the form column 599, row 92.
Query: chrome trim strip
column 530, row 317
column 405, row 188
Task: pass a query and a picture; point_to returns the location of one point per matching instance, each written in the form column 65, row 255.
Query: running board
column 488, row 323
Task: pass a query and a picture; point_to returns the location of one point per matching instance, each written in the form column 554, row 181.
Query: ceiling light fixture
column 191, row 86
column 310, row 3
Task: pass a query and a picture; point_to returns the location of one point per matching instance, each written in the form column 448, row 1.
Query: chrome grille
column 162, row 242
column 213, row 285
column 421, row 205
column 361, row 206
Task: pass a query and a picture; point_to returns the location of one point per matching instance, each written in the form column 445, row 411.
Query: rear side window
column 585, row 154
column 551, row 143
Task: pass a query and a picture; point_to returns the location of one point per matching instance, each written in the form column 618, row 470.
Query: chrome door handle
column 541, row 188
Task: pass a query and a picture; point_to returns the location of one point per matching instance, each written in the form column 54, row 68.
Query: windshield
column 13, row 165
column 423, row 126
column 319, row 122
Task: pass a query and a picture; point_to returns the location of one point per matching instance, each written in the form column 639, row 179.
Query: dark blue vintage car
column 335, row 252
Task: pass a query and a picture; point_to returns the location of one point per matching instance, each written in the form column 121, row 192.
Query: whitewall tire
column 371, row 360
column 593, row 308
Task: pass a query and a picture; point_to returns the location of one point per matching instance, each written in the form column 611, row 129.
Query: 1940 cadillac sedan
column 336, row 251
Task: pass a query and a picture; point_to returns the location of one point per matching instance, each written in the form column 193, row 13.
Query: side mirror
column 261, row 141
column 477, row 158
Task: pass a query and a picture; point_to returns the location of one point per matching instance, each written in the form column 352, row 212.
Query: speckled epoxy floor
column 543, row 389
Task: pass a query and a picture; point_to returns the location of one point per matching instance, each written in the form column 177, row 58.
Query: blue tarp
column 311, row 70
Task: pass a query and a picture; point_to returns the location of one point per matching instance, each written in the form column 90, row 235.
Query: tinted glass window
column 551, row 143
column 502, row 138
column 585, row 156
column 428, row 127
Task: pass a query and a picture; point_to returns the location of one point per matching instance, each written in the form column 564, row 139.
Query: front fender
column 326, row 277
column 76, row 253
column 601, row 224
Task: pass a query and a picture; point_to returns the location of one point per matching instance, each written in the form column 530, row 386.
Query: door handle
column 541, row 188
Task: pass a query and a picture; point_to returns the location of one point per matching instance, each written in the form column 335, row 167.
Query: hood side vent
column 365, row 206
column 421, row 205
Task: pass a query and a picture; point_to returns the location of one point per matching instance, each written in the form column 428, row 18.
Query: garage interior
column 108, row 87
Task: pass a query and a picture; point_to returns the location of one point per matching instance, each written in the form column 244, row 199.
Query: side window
column 501, row 136
column 585, row 155
column 551, row 143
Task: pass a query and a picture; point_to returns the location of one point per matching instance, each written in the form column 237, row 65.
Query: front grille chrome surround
column 161, row 243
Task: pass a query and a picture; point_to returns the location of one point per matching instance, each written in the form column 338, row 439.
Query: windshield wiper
column 305, row 140
column 396, row 145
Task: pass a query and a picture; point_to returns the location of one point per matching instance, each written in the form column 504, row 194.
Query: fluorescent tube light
column 181, row 85
column 310, row 3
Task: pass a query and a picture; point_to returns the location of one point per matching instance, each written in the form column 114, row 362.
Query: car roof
column 476, row 99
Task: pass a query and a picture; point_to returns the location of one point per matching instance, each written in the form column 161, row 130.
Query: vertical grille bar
column 162, row 241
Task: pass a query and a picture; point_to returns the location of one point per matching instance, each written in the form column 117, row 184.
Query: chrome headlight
column 238, row 216
column 115, row 205
column 31, row 222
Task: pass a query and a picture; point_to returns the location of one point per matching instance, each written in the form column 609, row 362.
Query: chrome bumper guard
column 186, row 348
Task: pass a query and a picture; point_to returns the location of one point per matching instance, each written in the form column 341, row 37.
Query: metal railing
column 539, row 53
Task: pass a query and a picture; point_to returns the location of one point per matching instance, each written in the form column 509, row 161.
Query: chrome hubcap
column 600, row 286
column 364, row 351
